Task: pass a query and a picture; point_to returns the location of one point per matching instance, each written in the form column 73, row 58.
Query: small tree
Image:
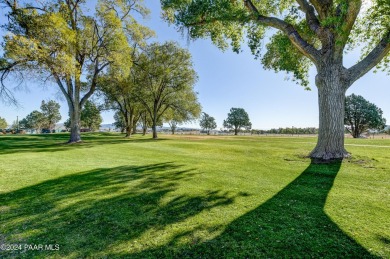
column 67, row 124
column 35, row 121
column 207, row 123
column 119, row 122
column 51, row 113
column 90, row 116
column 237, row 119
column 387, row 130
column 361, row 115
column 3, row 123
column 187, row 108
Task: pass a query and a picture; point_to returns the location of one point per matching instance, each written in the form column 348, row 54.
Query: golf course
column 191, row 196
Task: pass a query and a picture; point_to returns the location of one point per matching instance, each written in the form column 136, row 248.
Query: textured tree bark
column 128, row 132
column 134, row 130
column 74, row 111
column 129, row 126
column 154, row 126
column 331, row 101
column 154, row 129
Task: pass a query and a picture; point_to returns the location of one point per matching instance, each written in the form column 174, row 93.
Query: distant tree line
column 290, row 131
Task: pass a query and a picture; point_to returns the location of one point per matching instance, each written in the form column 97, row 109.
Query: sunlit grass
column 192, row 196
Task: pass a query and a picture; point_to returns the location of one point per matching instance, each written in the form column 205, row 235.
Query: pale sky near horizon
column 226, row 80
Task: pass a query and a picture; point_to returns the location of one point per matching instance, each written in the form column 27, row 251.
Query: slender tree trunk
column 235, row 131
column 154, row 126
column 134, row 128
column 129, row 126
column 144, row 123
column 154, row 129
column 74, row 111
column 331, row 100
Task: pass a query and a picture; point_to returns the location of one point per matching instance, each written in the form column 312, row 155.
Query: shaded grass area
column 292, row 223
column 57, row 142
column 66, row 211
column 190, row 197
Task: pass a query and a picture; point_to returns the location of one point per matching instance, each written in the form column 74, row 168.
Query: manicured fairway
column 191, row 197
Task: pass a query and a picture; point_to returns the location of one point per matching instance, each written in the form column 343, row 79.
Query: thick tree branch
column 352, row 12
column 5, row 93
column 93, row 82
column 303, row 46
column 371, row 60
column 323, row 7
column 63, row 90
column 311, row 17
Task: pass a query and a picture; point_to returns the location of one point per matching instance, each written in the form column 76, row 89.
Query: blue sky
column 226, row 80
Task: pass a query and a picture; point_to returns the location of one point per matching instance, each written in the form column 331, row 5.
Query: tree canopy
column 361, row 115
column 34, row 120
column 3, row 123
column 303, row 29
column 90, row 116
column 51, row 113
column 165, row 78
column 304, row 33
column 65, row 43
column 237, row 118
column 207, row 123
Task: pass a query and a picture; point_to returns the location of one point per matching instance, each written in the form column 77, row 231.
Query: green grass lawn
column 192, row 197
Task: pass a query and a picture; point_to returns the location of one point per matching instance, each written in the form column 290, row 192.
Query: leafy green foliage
column 361, row 115
column 90, row 116
column 35, row 120
column 120, row 95
column 229, row 22
column 207, row 122
column 3, row 123
column 278, row 59
column 119, row 121
column 237, row 118
column 66, row 42
column 67, row 124
column 185, row 109
column 165, row 79
column 51, row 113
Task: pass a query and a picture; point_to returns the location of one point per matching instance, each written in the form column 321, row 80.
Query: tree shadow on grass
column 292, row 224
column 86, row 213
column 58, row 142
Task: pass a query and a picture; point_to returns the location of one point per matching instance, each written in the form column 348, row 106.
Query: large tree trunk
column 128, row 131
column 331, row 100
column 235, row 131
column 74, row 111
